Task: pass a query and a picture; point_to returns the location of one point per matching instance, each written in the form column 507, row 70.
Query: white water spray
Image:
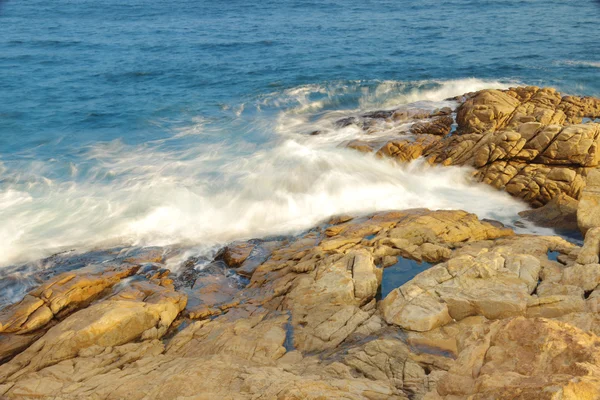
column 152, row 194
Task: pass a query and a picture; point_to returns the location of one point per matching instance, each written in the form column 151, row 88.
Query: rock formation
column 490, row 315
column 494, row 317
column 531, row 142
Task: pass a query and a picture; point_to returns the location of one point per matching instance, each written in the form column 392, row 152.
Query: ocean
column 188, row 122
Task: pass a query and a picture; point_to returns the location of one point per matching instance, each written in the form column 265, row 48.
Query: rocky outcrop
column 24, row 322
column 61, row 295
column 495, row 282
column 494, row 315
column 588, row 211
column 528, row 141
column 560, row 213
column 139, row 311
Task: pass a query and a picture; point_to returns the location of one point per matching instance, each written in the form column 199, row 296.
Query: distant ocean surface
column 165, row 122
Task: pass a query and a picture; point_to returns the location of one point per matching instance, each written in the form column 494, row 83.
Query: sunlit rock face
column 528, row 141
column 487, row 312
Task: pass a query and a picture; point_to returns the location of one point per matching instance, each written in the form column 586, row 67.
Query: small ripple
column 583, row 64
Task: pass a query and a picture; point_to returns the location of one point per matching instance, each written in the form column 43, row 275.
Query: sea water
column 188, row 122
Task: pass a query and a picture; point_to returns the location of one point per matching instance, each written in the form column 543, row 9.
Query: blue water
column 398, row 274
column 166, row 122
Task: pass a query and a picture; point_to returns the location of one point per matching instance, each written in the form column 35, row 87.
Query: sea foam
column 217, row 191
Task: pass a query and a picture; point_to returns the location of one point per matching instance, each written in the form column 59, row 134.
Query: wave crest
column 235, row 186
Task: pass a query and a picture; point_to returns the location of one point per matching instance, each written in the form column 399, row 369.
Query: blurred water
column 153, row 123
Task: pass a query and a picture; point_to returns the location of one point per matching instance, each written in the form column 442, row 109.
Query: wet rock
column 410, row 114
column 373, row 120
column 340, row 219
column 60, row 296
column 344, row 122
column 211, row 295
column 16, row 281
column 409, row 149
column 235, row 254
column 381, row 114
column 260, row 253
column 441, row 112
column 440, row 126
column 146, row 255
column 362, row 146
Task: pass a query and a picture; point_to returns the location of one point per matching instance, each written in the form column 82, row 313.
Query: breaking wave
column 254, row 173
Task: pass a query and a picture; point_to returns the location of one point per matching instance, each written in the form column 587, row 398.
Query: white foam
column 378, row 94
column 583, row 63
column 150, row 194
column 431, row 91
column 299, row 116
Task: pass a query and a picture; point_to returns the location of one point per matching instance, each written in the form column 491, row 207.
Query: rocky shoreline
column 531, row 142
column 493, row 315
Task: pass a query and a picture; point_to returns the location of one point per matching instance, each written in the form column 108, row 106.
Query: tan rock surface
column 60, row 295
column 590, row 252
column 560, row 213
column 310, row 325
column 525, row 358
column 588, row 211
column 141, row 311
column 525, row 140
